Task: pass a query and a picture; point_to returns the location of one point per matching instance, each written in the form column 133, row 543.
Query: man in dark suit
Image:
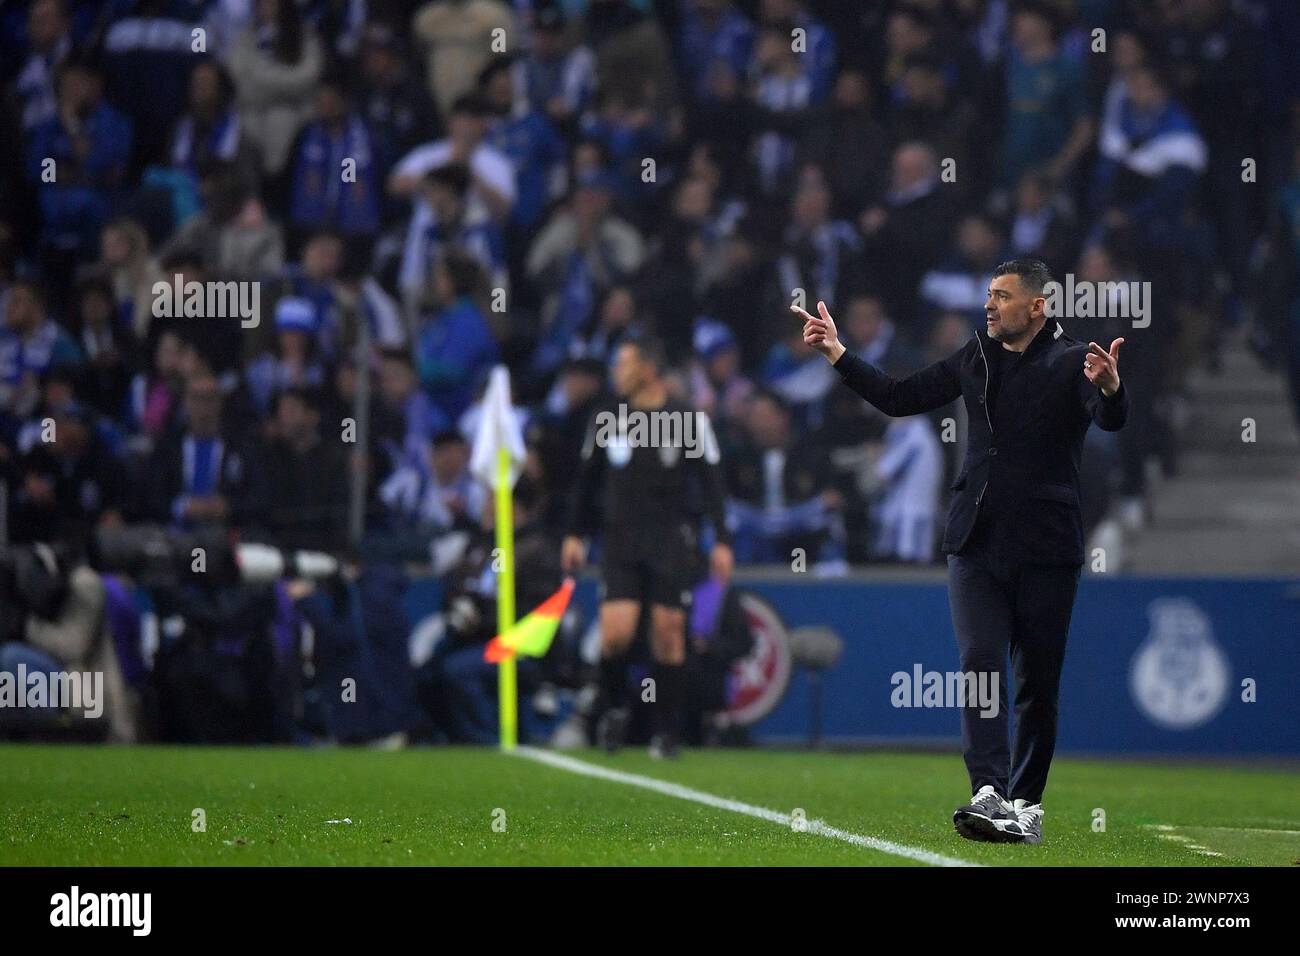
column 1014, row 536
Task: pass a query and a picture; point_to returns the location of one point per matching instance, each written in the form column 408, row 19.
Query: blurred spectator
column 527, row 137
column 70, row 482
column 201, row 477
column 306, row 476
column 785, row 92
column 455, row 345
column 276, row 62
column 791, row 373
column 318, row 278
column 906, row 234
column 871, row 335
column 555, row 77
column 156, row 392
column 807, row 35
column 713, row 33
column 909, row 30
column 1146, row 435
column 584, row 249
column 1048, row 126
column 718, row 388
column 844, row 139
column 108, row 347
column 780, row 500
column 702, row 224
column 927, row 109
column 393, row 101
column 124, row 254
column 338, row 169
column 561, row 427
column 445, row 221
column 294, row 362
column 1213, row 53
column 1151, row 156
column 723, row 127
column 492, row 176
column 960, row 282
column 458, row 37
column 410, row 416
column 49, row 41
column 434, row 492
column 819, row 255
column 211, row 129
column 234, row 236
column 1041, row 223
column 908, row 469
column 617, row 319
column 77, row 161
column 148, row 51
column 629, row 133
column 30, row 342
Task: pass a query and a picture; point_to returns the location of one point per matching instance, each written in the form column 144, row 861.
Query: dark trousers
column 1000, row 606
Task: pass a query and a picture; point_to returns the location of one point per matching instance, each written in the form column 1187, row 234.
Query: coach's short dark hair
column 1034, row 273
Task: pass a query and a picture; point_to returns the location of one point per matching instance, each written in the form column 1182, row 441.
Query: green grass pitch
column 85, row 806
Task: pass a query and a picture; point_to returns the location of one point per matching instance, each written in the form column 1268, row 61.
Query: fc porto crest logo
column 1180, row 676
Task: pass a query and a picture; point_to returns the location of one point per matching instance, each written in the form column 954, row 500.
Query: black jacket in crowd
column 1022, row 458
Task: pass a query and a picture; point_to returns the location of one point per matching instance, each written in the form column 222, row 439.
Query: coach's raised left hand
column 819, row 332
column 1102, row 367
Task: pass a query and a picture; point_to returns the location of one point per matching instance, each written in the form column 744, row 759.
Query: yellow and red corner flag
column 533, row 634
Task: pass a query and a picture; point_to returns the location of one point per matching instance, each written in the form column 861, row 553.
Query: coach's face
column 1011, row 308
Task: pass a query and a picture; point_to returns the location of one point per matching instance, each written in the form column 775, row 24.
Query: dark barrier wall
column 1153, row 666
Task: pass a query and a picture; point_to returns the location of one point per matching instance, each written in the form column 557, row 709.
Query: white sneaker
column 1027, row 825
column 980, row 819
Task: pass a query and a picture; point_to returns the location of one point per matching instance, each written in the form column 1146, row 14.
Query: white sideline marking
column 722, row 803
column 1197, row 826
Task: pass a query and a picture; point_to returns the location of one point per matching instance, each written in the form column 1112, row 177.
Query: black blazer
column 1024, row 459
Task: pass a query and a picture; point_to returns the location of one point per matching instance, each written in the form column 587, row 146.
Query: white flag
column 498, row 426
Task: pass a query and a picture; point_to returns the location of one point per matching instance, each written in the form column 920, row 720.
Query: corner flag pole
column 507, row 695
column 497, row 460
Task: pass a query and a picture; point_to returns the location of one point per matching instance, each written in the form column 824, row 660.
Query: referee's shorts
column 661, row 569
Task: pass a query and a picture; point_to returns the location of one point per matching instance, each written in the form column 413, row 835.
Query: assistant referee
column 1014, row 535
column 646, row 499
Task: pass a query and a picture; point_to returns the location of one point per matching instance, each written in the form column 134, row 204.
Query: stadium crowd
column 417, row 191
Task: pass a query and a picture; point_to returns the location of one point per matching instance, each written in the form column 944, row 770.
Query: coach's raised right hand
column 820, row 333
column 572, row 554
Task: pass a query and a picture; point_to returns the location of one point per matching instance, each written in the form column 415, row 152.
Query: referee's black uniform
column 647, row 502
column 1014, row 534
